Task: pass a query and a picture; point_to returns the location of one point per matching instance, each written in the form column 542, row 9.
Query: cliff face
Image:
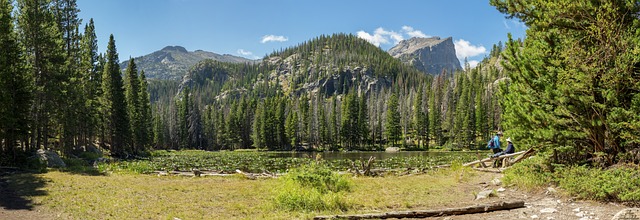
column 429, row 55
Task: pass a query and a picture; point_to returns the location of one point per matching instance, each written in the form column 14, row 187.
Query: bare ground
column 544, row 204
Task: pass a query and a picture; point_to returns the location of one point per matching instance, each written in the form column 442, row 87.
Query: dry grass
column 134, row 196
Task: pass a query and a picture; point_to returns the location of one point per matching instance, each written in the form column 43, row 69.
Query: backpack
column 492, row 144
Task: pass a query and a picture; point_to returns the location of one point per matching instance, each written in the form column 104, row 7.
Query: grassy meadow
column 141, row 196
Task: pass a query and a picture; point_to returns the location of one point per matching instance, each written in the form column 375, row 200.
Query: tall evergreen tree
column 393, row 130
column 184, row 109
column 146, row 123
column 114, row 104
column 91, row 81
column 419, row 119
column 41, row 38
column 292, row 128
column 15, row 90
column 132, row 94
column 363, row 122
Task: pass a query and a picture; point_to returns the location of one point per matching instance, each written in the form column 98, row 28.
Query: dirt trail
column 548, row 204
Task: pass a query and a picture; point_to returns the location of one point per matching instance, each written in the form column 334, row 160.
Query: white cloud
column 473, row 63
column 465, row 49
column 412, row 32
column 247, row 54
column 381, row 36
column 244, row 52
column 270, row 38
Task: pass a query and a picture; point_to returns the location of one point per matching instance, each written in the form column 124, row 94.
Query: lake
column 379, row 155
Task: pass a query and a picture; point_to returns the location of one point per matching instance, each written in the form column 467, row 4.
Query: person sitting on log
column 510, row 149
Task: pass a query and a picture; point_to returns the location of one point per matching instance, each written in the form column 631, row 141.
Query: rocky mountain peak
column 430, row 55
column 175, row 48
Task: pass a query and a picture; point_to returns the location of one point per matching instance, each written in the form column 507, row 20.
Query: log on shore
column 493, row 158
column 432, row 213
column 491, row 170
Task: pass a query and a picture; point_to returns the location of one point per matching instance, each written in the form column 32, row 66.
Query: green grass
column 135, row 196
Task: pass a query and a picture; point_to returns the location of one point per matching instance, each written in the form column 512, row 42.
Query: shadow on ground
column 18, row 187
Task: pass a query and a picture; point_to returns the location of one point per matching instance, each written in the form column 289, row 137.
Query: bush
column 614, row 184
column 532, row 173
column 313, row 187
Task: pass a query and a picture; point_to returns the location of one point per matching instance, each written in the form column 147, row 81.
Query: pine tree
column 132, row 94
column 146, row 123
column 91, row 81
column 15, row 90
column 349, row 129
column 418, row 122
column 114, row 105
column 573, row 81
column 393, row 130
column 68, row 23
column 363, row 122
column 45, row 58
column 292, row 128
column 184, row 109
column 435, row 105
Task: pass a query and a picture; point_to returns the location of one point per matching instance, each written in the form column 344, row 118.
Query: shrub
column 532, row 173
column 313, row 187
column 614, row 184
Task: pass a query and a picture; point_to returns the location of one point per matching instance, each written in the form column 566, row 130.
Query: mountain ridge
column 172, row 62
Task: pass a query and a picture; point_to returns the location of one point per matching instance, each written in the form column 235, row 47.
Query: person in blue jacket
column 494, row 143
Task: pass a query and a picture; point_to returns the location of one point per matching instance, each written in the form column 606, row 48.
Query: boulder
column 51, row 158
column 93, row 149
column 485, row 194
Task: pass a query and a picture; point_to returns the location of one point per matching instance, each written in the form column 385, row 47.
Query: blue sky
column 253, row 29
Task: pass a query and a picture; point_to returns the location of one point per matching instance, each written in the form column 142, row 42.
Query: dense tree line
column 574, row 80
column 58, row 93
column 281, row 103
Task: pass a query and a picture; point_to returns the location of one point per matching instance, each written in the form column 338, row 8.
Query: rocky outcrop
column 430, row 55
column 172, row 62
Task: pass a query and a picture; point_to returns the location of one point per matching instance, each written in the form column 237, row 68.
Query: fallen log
column 491, row 170
column 432, row 213
column 526, row 154
column 493, row 158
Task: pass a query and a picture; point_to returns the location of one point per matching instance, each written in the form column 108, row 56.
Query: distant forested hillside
column 329, row 93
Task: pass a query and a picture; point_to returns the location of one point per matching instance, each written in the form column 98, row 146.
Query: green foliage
column 614, row 184
column 114, row 105
column 532, row 173
column 573, row 80
column 313, row 187
column 15, row 89
column 392, row 123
